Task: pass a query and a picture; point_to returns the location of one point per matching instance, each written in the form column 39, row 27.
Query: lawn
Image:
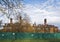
column 31, row 40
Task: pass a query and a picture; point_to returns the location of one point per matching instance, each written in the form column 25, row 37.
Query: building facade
column 23, row 26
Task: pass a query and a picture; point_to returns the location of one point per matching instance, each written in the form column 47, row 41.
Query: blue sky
column 34, row 1
column 40, row 9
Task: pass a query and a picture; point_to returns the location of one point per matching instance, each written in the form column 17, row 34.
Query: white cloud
column 47, row 10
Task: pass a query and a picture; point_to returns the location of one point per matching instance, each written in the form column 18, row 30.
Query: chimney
column 34, row 24
column 45, row 21
column 11, row 20
column 20, row 18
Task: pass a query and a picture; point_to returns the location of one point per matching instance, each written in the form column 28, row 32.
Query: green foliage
column 22, row 35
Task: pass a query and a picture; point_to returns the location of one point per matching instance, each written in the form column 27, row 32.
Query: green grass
column 31, row 40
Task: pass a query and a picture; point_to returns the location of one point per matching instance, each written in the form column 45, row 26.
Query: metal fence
column 20, row 35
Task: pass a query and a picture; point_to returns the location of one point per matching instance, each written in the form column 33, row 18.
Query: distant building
column 45, row 28
column 20, row 26
column 23, row 26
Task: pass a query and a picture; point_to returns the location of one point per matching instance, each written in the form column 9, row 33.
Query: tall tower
column 45, row 21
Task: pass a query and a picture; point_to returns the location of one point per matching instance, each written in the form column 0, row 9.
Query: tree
column 9, row 7
column 26, row 18
column 13, row 9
